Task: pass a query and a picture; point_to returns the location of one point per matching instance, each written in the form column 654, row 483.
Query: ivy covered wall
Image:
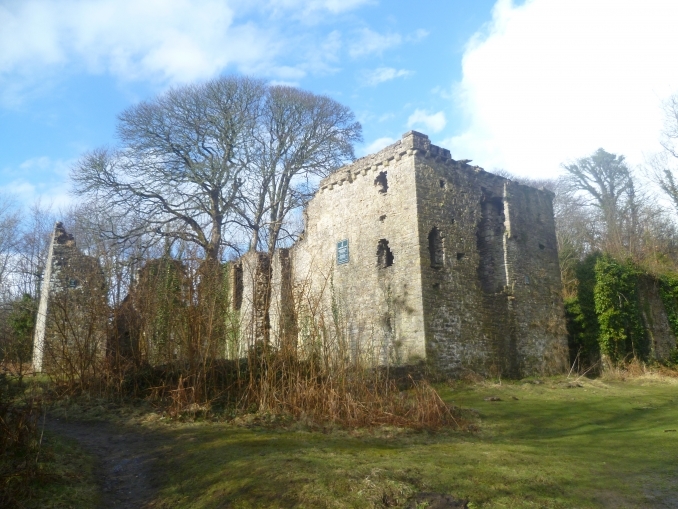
column 621, row 312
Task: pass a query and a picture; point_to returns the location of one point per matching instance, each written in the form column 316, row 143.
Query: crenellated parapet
column 411, row 144
column 411, row 256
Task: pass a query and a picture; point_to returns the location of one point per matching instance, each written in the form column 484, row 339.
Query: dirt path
column 125, row 460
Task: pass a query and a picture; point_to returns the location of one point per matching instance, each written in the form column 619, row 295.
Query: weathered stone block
column 446, row 262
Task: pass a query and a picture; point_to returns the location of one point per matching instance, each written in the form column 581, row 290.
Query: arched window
column 384, row 255
column 436, row 248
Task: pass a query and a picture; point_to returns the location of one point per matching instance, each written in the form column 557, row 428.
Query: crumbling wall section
column 534, row 282
column 661, row 337
column 282, row 311
column 255, row 324
column 73, row 311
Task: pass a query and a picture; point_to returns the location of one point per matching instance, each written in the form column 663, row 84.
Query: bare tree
column 118, row 255
column 31, row 250
column 9, row 237
column 213, row 164
column 300, row 136
column 605, row 182
column 181, row 165
column 663, row 168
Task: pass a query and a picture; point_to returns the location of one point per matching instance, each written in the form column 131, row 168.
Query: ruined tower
column 72, row 311
column 428, row 258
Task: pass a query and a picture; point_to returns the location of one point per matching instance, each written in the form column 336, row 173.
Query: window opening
column 442, row 184
column 238, row 284
column 381, row 182
column 342, row 252
column 460, row 256
column 384, row 255
column 436, row 248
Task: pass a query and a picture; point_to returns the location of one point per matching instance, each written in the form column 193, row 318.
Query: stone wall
column 410, row 255
column 282, row 310
column 661, row 337
column 72, row 310
column 254, row 269
column 493, row 304
column 373, row 300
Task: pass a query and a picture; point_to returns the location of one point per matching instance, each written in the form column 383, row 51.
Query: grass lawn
column 64, row 479
column 555, row 444
column 548, row 445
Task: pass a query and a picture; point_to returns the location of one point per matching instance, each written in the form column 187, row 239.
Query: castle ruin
column 426, row 259
column 72, row 310
column 407, row 255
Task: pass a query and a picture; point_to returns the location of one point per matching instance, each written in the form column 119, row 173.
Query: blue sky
column 522, row 86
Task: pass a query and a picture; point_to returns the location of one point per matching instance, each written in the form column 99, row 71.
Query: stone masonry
column 422, row 257
column 72, row 309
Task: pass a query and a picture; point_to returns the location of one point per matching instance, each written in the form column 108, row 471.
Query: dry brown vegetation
column 174, row 341
column 635, row 369
column 21, row 414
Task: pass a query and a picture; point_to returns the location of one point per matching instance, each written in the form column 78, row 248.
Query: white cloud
column 433, row 122
column 418, row 35
column 553, row 80
column 337, row 6
column 39, row 163
column 176, row 40
column 38, row 179
column 320, row 57
column 369, row 42
column 284, row 83
column 313, row 6
column 163, row 41
column 383, row 74
column 45, row 164
column 377, row 145
column 26, row 193
column 287, row 73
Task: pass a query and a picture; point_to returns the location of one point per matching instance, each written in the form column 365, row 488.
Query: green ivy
column 617, row 307
column 668, row 290
column 21, row 321
column 582, row 321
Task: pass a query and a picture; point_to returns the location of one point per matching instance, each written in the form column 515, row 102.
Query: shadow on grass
column 260, row 468
column 596, row 446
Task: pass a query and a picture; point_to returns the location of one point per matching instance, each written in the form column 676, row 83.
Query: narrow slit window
column 342, row 252
column 238, row 284
column 436, row 248
column 381, row 182
column 384, row 254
